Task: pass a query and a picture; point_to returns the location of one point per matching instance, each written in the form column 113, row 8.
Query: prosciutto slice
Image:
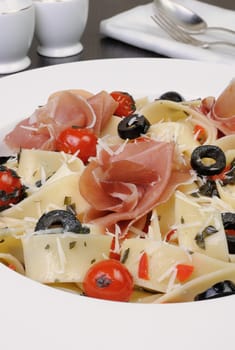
column 63, row 109
column 124, row 186
column 222, row 110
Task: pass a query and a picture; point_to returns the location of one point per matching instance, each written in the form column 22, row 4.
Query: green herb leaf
column 72, row 244
column 125, row 255
column 67, row 200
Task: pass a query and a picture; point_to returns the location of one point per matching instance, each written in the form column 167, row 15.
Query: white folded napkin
column 135, row 27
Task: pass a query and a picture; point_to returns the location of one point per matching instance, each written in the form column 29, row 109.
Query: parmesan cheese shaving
column 31, row 128
column 104, row 146
column 121, row 147
column 61, row 254
column 43, row 175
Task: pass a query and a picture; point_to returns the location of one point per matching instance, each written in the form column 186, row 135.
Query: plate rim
column 166, row 312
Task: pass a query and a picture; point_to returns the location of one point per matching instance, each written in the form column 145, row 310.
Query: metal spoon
column 188, row 20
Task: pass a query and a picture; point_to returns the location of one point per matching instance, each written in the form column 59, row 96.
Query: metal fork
column 171, row 28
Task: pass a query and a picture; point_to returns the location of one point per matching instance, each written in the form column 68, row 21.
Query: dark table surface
column 97, row 46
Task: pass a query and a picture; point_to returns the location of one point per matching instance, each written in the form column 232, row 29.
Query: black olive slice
column 62, row 218
column 209, row 189
column 218, row 290
column 229, row 224
column 133, row 126
column 228, row 220
column 211, row 152
column 171, row 96
column 4, row 159
column 231, row 243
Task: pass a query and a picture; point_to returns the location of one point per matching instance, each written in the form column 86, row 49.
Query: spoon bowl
column 187, row 19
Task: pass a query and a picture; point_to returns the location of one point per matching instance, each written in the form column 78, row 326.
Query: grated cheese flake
column 42, row 175
column 104, row 146
column 61, row 255
column 121, row 147
column 30, row 128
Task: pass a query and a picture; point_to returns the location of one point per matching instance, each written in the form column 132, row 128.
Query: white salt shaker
column 59, row 26
column 17, row 20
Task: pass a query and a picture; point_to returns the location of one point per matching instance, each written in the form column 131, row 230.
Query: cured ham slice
column 63, row 109
column 222, row 110
column 104, row 106
column 124, row 186
column 225, row 103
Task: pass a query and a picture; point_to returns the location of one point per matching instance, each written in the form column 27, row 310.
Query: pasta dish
column 123, row 199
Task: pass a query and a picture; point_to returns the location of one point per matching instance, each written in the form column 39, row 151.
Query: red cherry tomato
column 72, row 140
column 170, row 234
column 11, row 188
column 184, row 272
column 126, row 103
column 143, row 269
column 113, row 254
column 108, row 279
column 200, row 133
column 221, row 176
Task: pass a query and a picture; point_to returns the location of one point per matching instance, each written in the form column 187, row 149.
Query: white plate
column 36, row 317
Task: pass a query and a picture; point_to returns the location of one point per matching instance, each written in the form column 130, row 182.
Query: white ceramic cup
column 16, row 34
column 59, row 26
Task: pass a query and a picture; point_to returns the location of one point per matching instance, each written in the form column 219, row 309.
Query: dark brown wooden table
column 97, row 46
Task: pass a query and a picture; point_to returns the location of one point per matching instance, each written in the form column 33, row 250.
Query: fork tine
column 171, row 28
column 174, row 31
column 163, row 25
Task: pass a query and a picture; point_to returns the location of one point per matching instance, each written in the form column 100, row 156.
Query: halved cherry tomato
column 12, row 267
column 184, row 272
column 110, row 280
column 221, row 176
column 141, row 139
column 143, row 268
column 200, row 133
column 170, row 234
column 126, row 103
column 113, row 254
column 11, row 189
column 73, row 139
